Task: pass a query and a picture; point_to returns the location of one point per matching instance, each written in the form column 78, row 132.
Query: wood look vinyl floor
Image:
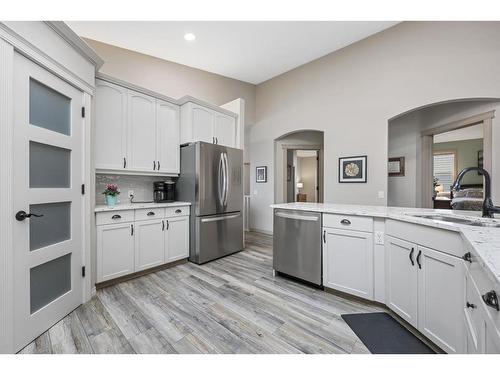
column 231, row 305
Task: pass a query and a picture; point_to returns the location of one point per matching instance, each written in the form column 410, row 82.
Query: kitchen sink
column 460, row 220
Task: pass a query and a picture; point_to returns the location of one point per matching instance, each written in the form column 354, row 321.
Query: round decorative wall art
column 352, row 169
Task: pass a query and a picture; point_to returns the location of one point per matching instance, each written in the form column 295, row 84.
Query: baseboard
column 261, row 231
column 134, row 275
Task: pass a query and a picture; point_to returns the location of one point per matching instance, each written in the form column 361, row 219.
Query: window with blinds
column 444, row 169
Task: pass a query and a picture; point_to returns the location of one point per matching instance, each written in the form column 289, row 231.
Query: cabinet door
column 440, row 299
column 348, row 262
column 225, row 130
column 473, row 317
column 110, row 126
column 142, row 131
column 177, row 238
column 167, row 142
column 149, row 244
column 202, row 124
column 402, row 278
column 115, row 251
column 491, row 338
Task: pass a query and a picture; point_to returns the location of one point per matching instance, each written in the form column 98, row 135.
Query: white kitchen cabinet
column 135, row 132
column 142, row 130
column 491, row 338
column 473, row 318
column 167, row 129
column 140, row 239
column 348, row 261
column 115, row 250
column 199, row 123
column 440, row 301
column 402, row 278
column 149, row 244
column 110, row 126
column 177, row 238
column 225, row 130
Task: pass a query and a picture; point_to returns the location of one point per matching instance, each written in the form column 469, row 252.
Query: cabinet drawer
column 177, row 211
column 149, row 214
column 114, row 217
column 350, row 222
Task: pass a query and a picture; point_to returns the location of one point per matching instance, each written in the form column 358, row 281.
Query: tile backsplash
column 141, row 185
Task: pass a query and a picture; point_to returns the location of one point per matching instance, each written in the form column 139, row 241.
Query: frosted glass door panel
column 49, row 109
column 50, row 166
column 48, row 281
column 53, row 227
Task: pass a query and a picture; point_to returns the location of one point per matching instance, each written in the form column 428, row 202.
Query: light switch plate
column 381, row 194
column 379, row 237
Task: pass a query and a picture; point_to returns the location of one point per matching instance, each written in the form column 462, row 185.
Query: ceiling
column 463, row 134
column 250, row 51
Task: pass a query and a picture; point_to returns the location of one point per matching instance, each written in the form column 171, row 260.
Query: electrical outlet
column 381, row 194
column 379, row 237
column 130, row 193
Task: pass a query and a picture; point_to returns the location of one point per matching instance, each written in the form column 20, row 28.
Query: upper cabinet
column 135, row 133
column 111, row 126
column 200, row 123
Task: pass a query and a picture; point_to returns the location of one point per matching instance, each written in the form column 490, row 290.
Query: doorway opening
column 302, row 176
column 299, row 167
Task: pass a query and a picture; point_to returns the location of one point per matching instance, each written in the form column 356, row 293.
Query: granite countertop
column 137, row 206
column 484, row 241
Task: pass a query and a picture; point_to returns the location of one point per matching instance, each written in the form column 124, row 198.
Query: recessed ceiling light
column 189, row 37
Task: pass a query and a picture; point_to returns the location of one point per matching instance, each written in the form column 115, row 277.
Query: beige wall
column 352, row 93
column 174, row 80
column 306, row 173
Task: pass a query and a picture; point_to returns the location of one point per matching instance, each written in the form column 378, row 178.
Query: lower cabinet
column 348, row 261
column 425, row 288
column 177, row 239
column 135, row 246
column 115, row 250
column 149, row 244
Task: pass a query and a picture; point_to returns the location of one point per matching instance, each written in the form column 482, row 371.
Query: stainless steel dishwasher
column 297, row 244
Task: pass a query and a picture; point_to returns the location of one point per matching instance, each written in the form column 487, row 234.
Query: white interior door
column 48, row 173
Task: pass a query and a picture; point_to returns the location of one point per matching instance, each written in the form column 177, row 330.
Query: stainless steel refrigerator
column 211, row 179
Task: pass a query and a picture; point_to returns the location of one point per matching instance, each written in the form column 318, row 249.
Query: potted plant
column 111, row 193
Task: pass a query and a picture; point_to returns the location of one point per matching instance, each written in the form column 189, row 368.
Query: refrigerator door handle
column 220, row 183
column 226, row 179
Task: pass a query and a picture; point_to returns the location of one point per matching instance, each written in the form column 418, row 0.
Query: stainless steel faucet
column 489, row 209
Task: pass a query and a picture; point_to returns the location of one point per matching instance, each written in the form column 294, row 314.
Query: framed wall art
column 352, row 169
column 261, row 174
column 396, row 167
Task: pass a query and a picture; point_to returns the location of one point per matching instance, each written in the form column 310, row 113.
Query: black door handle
column 131, row 229
column 178, row 211
column 411, row 256
column 124, row 162
column 345, row 222
column 491, row 300
column 114, row 217
column 470, row 305
column 162, row 225
column 151, row 213
column 467, row 257
column 324, row 236
column 418, row 259
column 168, row 224
column 154, row 165
column 158, row 165
column 21, row 215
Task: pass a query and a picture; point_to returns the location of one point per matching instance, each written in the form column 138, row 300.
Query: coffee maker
column 164, row 191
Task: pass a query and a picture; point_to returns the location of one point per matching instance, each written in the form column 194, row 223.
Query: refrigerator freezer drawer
column 217, row 236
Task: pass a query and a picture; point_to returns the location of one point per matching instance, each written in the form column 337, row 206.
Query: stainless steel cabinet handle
column 296, row 217
column 151, row 213
column 114, row 217
column 491, row 300
column 345, row 222
column 226, row 178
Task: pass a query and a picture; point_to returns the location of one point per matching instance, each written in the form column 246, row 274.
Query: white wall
column 405, row 140
column 306, row 173
column 352, row 93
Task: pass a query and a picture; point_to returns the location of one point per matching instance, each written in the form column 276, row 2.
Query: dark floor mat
column 382, row 334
